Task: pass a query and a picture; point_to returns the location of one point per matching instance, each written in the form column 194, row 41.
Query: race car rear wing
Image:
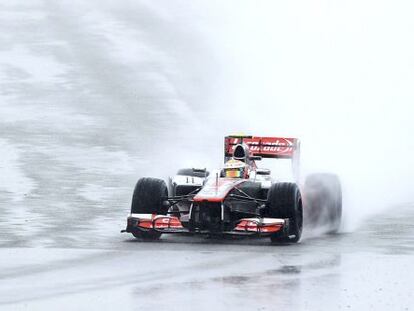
column 266, row 147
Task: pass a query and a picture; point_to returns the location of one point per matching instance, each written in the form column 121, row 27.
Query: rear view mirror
column 263, row 171
column 255, row 158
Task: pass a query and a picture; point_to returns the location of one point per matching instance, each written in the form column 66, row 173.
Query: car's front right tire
column 148, row 198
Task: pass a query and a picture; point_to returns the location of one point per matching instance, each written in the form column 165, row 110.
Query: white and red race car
column 240, row 199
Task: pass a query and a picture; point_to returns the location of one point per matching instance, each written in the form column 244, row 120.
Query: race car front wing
column 261, row 227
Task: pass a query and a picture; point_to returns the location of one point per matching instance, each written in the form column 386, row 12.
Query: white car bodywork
column 259, row 175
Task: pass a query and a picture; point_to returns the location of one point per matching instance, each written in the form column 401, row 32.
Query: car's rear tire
column 285, row 201
column 148, row 198
column 323, row 201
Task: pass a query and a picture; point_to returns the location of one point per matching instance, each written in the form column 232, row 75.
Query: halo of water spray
column 329, row 73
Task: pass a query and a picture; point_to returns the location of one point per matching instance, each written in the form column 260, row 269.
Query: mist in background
column 339, row 76
column 96, row 94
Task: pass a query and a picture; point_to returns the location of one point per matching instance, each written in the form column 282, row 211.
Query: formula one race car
column 241, row 199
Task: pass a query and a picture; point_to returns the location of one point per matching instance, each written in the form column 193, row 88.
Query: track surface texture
column 94, row 95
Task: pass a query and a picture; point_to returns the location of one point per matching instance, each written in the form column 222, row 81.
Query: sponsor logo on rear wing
column 266, row 147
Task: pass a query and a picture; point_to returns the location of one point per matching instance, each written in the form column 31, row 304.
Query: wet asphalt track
column 370, row 269
column 84, row 94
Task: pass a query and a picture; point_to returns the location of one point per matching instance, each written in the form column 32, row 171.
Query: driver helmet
column 235, row 169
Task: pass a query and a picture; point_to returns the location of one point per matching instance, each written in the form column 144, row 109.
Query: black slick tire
column 284, row 200
column 148, row 198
